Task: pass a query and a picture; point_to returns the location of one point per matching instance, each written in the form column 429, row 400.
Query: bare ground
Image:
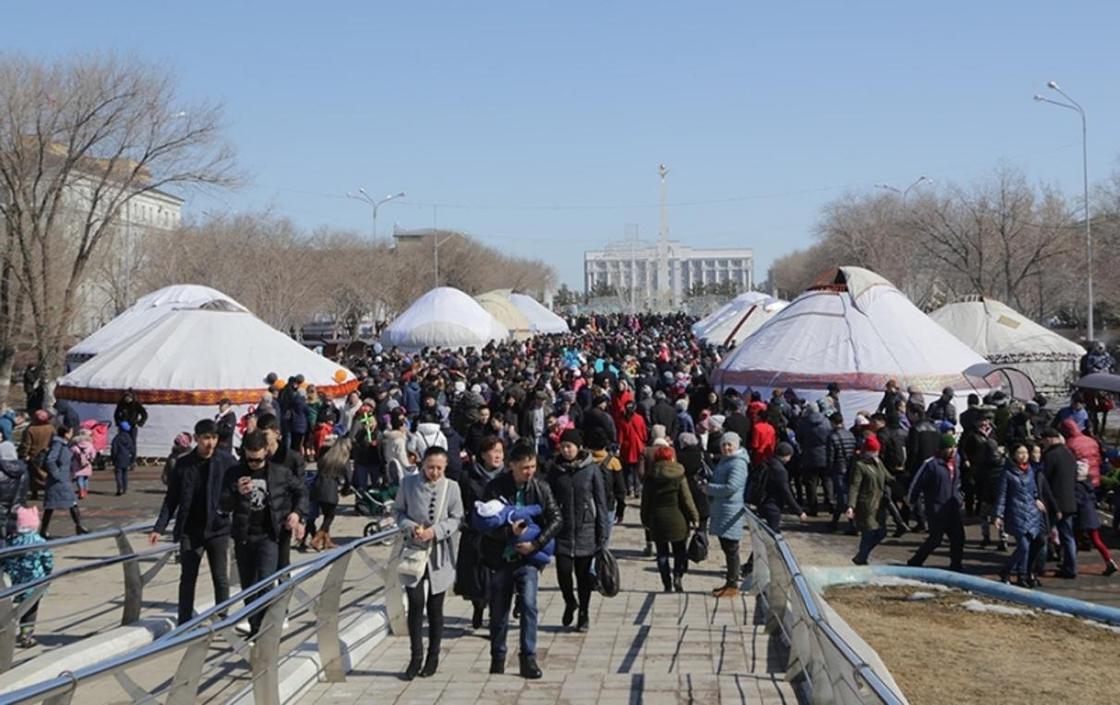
column 942, row 654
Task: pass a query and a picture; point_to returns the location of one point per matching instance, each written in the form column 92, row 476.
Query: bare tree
column 79, row 139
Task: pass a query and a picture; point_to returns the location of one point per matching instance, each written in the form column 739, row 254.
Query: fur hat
column 27, row 519
column 8, row 451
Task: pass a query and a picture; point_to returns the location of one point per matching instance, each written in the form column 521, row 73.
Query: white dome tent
column 855, row 328
column 742, row 316
column 735, row 306
column 443, row 318
column 146, row 311
column 498, row 304
column 1005, row 337
column 541, row 320
column 180, row 367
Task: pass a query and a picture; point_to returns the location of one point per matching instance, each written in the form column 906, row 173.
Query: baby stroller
column 376, row 503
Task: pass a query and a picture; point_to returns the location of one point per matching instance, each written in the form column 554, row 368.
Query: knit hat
column 686, row 440
column 948, row 440
column 27, row 519
column 573, row 436
column 784, row 450
column 8, row 451
column 661, row 443
column 41, row 416
column 597, row 439
column 732, row 438
column 182, row 441
column 871, row 444
column 657, row 431
column 125, row 426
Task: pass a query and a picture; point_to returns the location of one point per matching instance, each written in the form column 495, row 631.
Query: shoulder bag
column 413, row 560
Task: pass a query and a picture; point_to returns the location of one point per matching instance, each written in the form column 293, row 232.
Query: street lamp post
column 905, row 192
column 364, row 197
column 436, row 244
column 1076, row 107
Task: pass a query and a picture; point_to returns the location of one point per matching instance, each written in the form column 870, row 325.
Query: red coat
column 764, row 440
column 632, row 437
column 1085, row 449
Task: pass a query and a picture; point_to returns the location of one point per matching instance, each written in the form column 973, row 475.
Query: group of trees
column 82, row 138
column 288, row 276
column 999, row 236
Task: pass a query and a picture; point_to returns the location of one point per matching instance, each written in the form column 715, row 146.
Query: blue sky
column 539, row 126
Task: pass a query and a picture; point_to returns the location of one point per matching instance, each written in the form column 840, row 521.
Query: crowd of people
column 506, row 460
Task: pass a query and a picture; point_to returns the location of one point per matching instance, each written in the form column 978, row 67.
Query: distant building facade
column 630, row 270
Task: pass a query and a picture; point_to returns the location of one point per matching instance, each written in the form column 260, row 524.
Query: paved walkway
column 645, row 646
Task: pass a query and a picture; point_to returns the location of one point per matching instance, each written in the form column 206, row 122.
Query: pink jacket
column 81, row 460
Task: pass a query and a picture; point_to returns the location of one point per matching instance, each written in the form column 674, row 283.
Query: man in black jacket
column 193, row 491
column 14, row 482
column 1059, row 466
column 519, row 486
column 267, row 502
column 281, row 454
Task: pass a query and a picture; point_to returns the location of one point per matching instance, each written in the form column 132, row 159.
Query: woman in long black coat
column 472, row 577
column 691, row 456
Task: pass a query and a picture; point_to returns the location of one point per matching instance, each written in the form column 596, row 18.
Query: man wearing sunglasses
column 268, row 503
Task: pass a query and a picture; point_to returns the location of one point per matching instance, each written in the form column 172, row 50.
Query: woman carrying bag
column 667, row 513
column 429, row 510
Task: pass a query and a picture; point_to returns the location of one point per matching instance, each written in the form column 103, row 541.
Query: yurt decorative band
column 846, row 380
column 187, row 397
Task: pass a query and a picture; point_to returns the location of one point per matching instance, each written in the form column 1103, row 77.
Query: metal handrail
column 32, row 592
column 808, row 658
column 9, row 551
column 195, row 636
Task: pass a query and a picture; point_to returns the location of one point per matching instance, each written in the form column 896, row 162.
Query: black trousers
column 191, row 551
column 812, row 477
column 416, row 606
column 619, row 495
column 679, row 550
column 327, row 511
column 731, row 554
column 947, row 521
column 581, row 566
column 256, row 559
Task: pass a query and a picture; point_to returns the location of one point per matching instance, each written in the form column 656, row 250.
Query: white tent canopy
column 739, row 318
column 444, row 318
column 541, row 320
column 146, row 311
column 855, row 328
column 182, row 365
column 1005, row 337
column 498, row 304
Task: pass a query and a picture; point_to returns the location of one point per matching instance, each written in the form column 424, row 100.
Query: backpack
column 756, row 484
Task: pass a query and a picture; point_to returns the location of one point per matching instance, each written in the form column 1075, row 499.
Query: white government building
column 627, row 265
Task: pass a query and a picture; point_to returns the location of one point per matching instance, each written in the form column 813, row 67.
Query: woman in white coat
column 429, row 511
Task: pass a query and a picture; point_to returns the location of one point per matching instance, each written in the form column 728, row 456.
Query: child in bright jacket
column 26, row 567
column 82, row 455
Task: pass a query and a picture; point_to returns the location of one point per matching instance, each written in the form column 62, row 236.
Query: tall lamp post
column 436, row 244
column 364, row 197
column 1076, row 107
column 905, row 192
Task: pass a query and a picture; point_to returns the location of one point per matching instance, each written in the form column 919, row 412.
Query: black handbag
column 698, row 547
column 606, row 568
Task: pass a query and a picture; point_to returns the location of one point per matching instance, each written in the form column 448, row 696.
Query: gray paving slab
column 645, row 646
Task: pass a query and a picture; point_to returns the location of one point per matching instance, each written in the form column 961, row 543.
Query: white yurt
column 444, row 318
column 181, row 366
column 743, row 320
column 1005, row 337
column 498, row 304
column 541, row 320
column 732, row 308
column 147, row 310
column 855, row 328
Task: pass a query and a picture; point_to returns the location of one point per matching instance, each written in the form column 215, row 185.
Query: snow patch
column 918, row 596
column 978, row 606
